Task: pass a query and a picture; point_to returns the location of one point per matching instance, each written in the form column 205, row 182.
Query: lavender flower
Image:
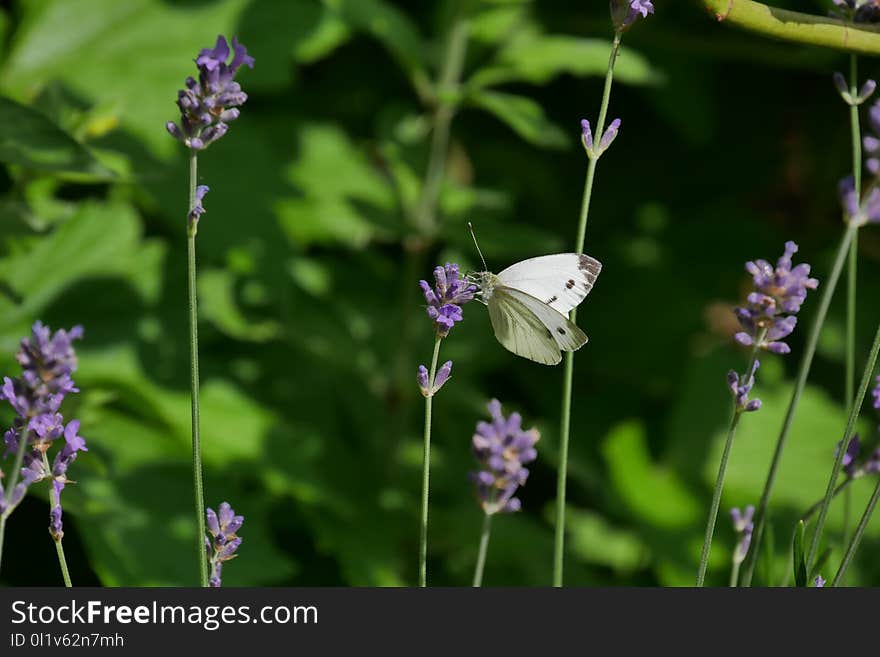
column 743, row 525
column 502, row 448
column 741, row 390
column 855, row 212
column 779, row 293
column 843, row 89
column 819, row 582
column 446, row 297
column 198, row 210
column 48, row 362
column 428, row 389
column 222, row 542
column 858, row 11
column 610, row 134
column 876, row 393
column 626, row 12
column 852, row 453
column 208, row 104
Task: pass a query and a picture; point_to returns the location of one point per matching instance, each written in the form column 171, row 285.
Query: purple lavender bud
column 841, row 85
column 851, row 455
column 856, row 213
column 198, row 210
column 422, row 380
column 741, row 389
column 609, row 136
column 446, row 297
column 866, row 91
column 502, row 448
column 442, row 377
column 876, row 393
column 207, row 104
column 222, row 541
column 744, row 526
column 626, row 12
column 819, row 582
column 587, row 137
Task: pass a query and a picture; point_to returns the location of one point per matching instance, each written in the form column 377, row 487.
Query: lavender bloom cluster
column 626, row 12
column 222, row 540
column 208, row 104
column 445, row 299
column 502, row 448
column 852, row 466
column 858, row 11
column 744, row 526
column 769, row 314
column 48, row 361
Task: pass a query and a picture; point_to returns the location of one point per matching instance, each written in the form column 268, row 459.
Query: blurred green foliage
column 312, row 320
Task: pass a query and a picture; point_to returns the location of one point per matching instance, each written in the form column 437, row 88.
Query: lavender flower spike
column 445, row 299
column 502, row 448
column 779, row 293
column 819, row 582
column 222, row 540
column 594, row 152
column 626, row 12
column 198, row 210
column 843, row 89
column 208, row 104
column 858, row 11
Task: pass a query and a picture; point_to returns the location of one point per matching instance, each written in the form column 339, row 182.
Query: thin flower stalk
column 624, row 13
column 806, row 362
column 207, row 105
column 444, row 300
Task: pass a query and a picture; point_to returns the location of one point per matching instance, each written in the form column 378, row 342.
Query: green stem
column 795, row 26
column 568, row 377
column 722, row 468
column 426, row 469
column 484, row 547
column 54, row 501
column 12, row 483
column 841, row 450
column 447, row 88
column 857, row 537
column 198, row 486
column 734, row 573
column 852, row 267
column 806, row 363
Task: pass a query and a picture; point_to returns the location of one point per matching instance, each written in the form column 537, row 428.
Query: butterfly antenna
column 474, row 237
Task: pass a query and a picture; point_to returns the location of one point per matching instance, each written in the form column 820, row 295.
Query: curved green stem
column 484, row 547
column 198, row 486
column 796, row 26
column 827, row 293
column 857, row 537
column 722, row 469
column 568, row 377
column 426, row 469
column 54, row 501
column 12, row 483
column 841, row 450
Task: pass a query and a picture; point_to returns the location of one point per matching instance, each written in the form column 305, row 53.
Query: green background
column 312, row 321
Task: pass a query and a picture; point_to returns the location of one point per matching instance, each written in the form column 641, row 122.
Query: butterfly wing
column 561, row 280
column 530, row 328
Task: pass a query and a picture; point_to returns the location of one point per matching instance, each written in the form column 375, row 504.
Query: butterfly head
column 485, row 282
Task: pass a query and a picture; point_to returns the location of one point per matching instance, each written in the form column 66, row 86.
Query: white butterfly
column 529, row 303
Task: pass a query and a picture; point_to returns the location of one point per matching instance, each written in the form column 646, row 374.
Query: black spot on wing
column 552, row 299
column 570, row 283
column 561, row 331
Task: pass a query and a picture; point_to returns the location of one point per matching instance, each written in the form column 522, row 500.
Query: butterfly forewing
column 561, row 280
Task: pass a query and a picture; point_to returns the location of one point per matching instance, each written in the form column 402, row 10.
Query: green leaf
column 386, row 23
column 523, row 115
column 217, row 303
column 29, row 139
column 537, row 59
column 800, row 566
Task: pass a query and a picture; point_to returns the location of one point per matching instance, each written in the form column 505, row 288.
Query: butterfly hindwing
column 519, row 330
column 530, row 328
column 561, row 280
